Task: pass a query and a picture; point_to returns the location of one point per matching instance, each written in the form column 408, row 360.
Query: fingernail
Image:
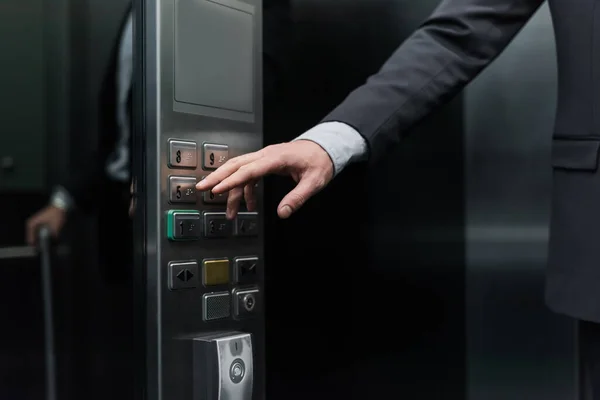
column 285, row 211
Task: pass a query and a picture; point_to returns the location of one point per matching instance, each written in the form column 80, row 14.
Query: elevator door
column 517, row 348
column 198, row 275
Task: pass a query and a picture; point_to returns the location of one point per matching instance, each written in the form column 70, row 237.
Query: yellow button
column 215, row 272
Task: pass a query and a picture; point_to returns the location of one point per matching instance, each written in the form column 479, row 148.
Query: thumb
column 295, row 199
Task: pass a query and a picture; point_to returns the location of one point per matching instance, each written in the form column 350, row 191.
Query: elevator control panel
column 201, row 105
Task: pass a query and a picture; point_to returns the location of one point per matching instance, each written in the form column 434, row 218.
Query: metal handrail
column 50, row 354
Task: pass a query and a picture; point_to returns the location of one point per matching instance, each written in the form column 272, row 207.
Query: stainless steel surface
column 182, row 189
column 197, row 108
column 223, row 367
column 245, row 269
column 50, row 354
column 7, row 253
column 216, row 225
column 183, row 275
column 517, row 348
column 244, row 302
column 17, row 252
column 214, row 155
column 183, row 154
column 211, row 198
column 246, row 224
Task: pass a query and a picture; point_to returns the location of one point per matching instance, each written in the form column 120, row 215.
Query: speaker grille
column 216, row 306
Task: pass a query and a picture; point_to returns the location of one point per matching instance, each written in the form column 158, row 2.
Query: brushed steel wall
column 517, row 348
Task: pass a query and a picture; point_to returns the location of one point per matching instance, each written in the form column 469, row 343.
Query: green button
column 183, row 225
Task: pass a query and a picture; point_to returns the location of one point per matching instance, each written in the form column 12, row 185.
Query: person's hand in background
column 51, row 216
column 131, row 199
column 305, row 161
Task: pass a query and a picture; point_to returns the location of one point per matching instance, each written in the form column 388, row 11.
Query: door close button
column 245, row 269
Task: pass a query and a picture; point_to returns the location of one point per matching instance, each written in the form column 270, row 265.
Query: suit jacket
column 460, row 39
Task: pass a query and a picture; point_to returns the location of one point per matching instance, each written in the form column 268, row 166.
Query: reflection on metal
column 517, row 348
column 7, row 253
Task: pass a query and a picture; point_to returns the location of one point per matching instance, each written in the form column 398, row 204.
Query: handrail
column 44, row 244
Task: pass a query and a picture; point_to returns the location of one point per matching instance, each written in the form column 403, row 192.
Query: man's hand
column 51, row 216
column 305, row 161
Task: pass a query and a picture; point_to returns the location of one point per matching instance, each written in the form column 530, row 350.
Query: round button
column 237, row 371
column 249, row 302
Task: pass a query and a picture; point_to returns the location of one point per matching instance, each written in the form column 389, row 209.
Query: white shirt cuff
column 342, row 142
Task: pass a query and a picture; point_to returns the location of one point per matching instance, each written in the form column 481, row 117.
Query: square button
column 182, row 189
column 245, row 269
column 183, row 154
column 216, row 225
column 208, row 197
column 183, row 225
column 214, row 155
column 183, row 275
column 215, row 272
column 246, row 224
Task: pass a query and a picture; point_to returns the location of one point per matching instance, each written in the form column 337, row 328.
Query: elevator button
column 246, row 224
column 215, row 272
column 183, row 225
column 209, row 197
column 244, row 302
column 183, row 275
column 216, row 224
column 214, row 155
column 237, row 371
column 216, row 306
column 245, row 269
column 182, row 189
column 183, row 154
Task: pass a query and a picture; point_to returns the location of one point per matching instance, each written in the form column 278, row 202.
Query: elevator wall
column 365, row 285
column 56, row 54
column 34, row 123
column 517, row 348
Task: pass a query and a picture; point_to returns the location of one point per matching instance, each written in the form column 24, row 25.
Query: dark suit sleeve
column 458, row 40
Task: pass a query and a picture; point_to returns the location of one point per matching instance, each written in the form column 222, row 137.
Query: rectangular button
column 214, row 155
column 244, row 302
column 183, row 275
column 183, row 154
column 245, row 269
column 183, row 225
column 217, row 225
column 246, row 224
column 215, row 272
column 211, row 198
column 216, row 306
column 182, row 189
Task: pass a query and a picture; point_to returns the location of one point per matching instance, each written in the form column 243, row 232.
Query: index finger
column 225, row 170
column 248, row 173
